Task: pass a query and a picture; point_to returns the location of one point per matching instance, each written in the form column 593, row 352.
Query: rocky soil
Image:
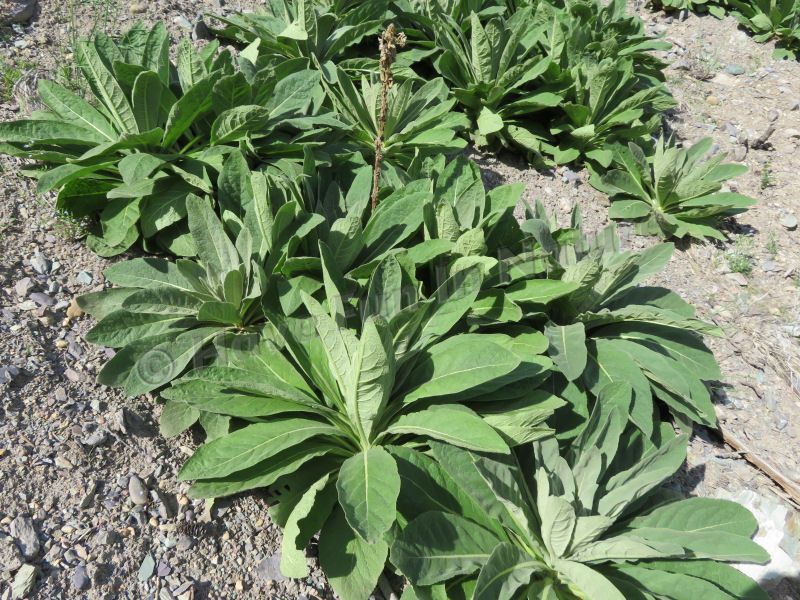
column 91, row 505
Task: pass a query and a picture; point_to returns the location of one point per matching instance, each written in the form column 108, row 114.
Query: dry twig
column 388, row 43
column 788, row 485
column 761, row 142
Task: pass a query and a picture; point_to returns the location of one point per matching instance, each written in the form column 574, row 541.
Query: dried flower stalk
column 388, row 43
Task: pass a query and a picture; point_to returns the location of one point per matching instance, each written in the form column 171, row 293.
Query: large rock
column 10, row 556
column 16, row 11
column 23, row 532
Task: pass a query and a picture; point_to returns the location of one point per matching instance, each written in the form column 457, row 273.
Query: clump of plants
column 587, row 522
column 156, row 132
column 765, row 19
column 676, row 192
column 484, row 405
column 768, row 19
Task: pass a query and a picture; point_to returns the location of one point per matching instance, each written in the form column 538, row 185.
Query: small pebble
column 74, row 311
column 184, row 543
column 62, row 463
column 737, row 278
column 84, row 278
column 97, row 438
column 105, row 538
column 137, row 491
column 735, row 69
column 42, row 299
column 39, row 263
column 80, row 580
column 789, row 222
column 23, row 287
column 711, row 99
column 146, row 568
column 163, row 569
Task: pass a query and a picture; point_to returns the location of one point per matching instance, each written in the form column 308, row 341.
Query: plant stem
column 388, row 44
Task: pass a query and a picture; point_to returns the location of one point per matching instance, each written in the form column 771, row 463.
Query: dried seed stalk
column 388, row 43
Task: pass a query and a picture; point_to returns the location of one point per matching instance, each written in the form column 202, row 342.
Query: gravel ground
column 91, row 505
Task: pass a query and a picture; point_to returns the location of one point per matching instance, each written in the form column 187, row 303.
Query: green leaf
column 117, row 218
column 489, row 122
column 384, row 295
column 351, row 565
column 100, row 304
column 191, row 69
column 105, row 87
column 75, row 109
column 136, row 167
column 709, row 528
column 235, row 123
column 452, row 424
column 215, row 426
column 460, row 465
column 262, row 474
column 457, row 364
column 493, row 305
column 165, row 301
column 177, row 417
column 396, row 218
column 231, row 91
column 675, row 585
column 558, row 523
column 97, row 245
column 219, row 312
column 507, row 570
column 368, row 487
column 156, row 52
column 165, row 206
column 117, row 370
column 568, row 348
column 426, row 486
column 194, row 103
column 523, row 422
column 589, row 581
column 122, row 327
column 53, row 131
column 539, row 291
column 292, row 93
column 163, row 363
column 334, row 344
column 346, row 240
column 307, row 518
column 437, row 546
column 726, row 577
column 373, row 370
column 64, row 174
column 214, row 248
column 146, row 98
column 628, row 486
column 245, row 447
column 147, row 273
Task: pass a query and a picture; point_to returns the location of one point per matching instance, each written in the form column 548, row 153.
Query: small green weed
column 740, row 257
column 9, row 75
column 766, row 176
column 772, row 245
